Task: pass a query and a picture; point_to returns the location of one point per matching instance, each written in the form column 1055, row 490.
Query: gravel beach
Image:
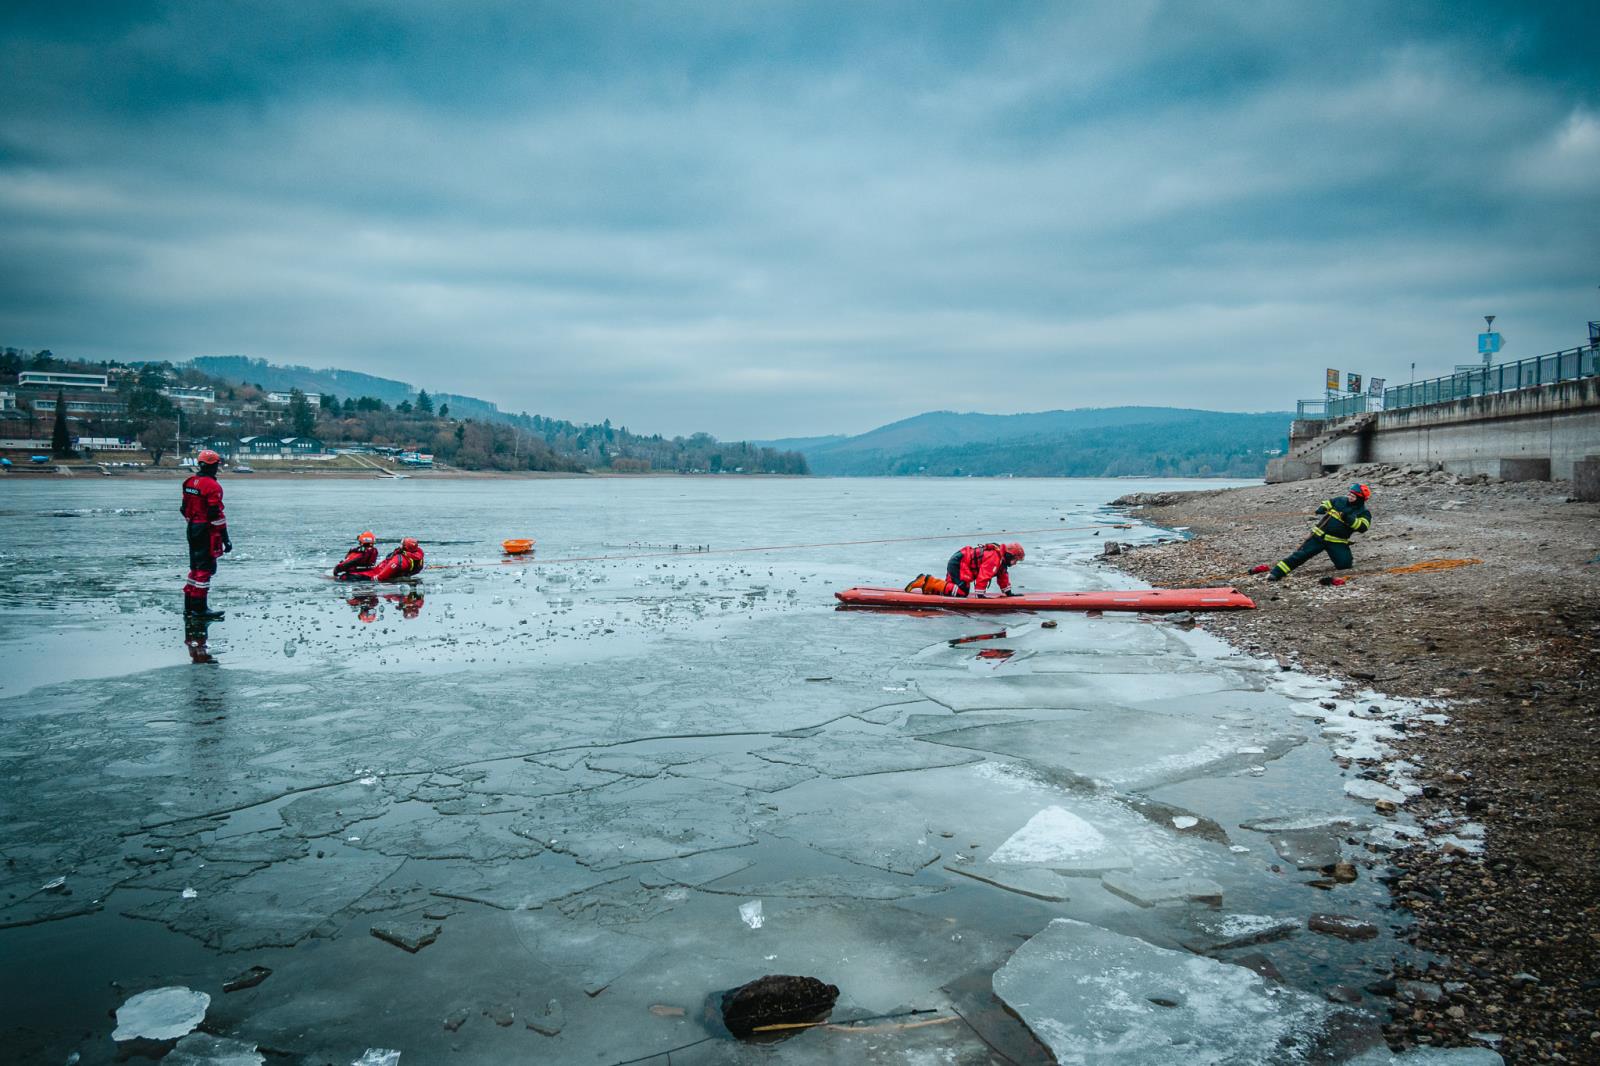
column 1508, row 645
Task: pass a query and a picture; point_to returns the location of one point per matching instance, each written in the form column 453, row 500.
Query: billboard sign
column 1353, row 383
column 1375, row 394
column 1333, row 380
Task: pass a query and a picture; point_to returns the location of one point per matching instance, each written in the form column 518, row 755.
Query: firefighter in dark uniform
column 207, row 533
column 1338, row 521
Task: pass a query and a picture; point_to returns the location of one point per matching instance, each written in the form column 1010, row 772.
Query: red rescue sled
column 1112, row 600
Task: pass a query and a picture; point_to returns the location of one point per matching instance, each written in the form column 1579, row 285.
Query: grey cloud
column 781, row 221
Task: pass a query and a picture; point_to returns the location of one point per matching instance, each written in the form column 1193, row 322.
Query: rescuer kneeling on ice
column 364, row 556
column 1340, row 520
column 405, row 561
column 207, row 533
column 973, row 567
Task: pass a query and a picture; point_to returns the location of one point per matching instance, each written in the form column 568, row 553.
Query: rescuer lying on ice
column 1339, row 521
column 973, row 567
column 405, row 561
column 364, row 556
column 207, row 534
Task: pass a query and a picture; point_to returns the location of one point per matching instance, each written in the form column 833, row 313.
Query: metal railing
column 1331, row 409
column 1568, row 365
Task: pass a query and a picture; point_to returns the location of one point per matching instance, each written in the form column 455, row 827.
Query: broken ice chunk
column 1058, row 839
column 751, row 914
column 1429, row 1056
column 408, row 936
column 1218, row 932
column 1094, row 996
column 1185, row 821
column 161, row 1014
column 1361, row 788
column 1151, row 891
column 189, row 893
column 1394, row 837
column 203, row 1049
column 1040, row 884
column 378, row 1056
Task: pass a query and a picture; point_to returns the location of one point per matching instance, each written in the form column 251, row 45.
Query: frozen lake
column 612, row 788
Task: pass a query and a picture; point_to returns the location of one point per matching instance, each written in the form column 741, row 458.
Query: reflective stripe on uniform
column 197, row 583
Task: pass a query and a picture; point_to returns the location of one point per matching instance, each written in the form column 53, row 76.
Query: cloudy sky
column 770, row 219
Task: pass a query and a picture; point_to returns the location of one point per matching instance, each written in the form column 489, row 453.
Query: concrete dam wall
column 1530, row 434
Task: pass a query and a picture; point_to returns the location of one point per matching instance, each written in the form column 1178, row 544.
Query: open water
column 603, row 791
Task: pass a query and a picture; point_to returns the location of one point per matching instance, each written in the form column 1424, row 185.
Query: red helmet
column 1360, row 491
column 1014, row 551
column 207, row 457
column 367, row 539
column 410, row 544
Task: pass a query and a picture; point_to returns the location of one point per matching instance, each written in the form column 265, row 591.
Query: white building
column 281, row 399
column 190, row 395
column 56, row 379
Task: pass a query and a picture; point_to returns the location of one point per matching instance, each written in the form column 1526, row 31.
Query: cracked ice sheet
column 996, row 689
column 882, row 957
column 278, row 906
column 857, row 755
column 891, row 837
column 1132, row 750
column 588, row 956
column 525, row 884
column 1087, row 993
column 446, row 837
column 623, row 824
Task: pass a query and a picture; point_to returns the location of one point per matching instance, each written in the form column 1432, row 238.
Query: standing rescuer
column 1338, row 521
column 207, row 533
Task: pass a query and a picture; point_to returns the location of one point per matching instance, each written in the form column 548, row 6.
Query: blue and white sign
column 1488, row 343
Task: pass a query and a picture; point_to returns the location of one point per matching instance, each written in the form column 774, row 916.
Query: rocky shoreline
column 1485, row 598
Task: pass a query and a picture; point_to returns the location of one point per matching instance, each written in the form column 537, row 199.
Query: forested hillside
column 1093, row 442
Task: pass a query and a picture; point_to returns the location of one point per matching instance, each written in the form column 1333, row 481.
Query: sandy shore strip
column 1506, row 889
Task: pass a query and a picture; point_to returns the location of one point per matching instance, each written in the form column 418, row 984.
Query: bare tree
column 157, row 438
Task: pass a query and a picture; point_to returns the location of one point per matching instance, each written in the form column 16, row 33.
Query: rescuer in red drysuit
column 973, row 566
column 364, row 556
column 405, row 561
column 207, row 533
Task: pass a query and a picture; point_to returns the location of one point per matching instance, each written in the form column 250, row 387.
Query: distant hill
column 275, row 378
column 567, row 445
column 1088, row 442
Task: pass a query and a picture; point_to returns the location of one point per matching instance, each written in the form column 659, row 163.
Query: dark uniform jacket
column 1341, row 520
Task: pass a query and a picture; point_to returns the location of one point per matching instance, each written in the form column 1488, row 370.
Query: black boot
column 195, row 607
